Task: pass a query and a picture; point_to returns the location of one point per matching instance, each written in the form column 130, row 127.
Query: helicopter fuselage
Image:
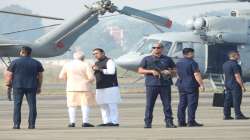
column 210, row 57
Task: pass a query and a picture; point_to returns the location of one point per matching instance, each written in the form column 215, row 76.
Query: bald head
column 157, row 49
column 158, row 45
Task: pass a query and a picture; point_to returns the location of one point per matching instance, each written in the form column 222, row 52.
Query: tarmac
column 52, row 122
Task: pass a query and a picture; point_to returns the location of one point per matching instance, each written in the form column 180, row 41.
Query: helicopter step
column 217, row 81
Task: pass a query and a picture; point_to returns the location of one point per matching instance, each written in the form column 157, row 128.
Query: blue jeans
column 18, row 99
column 234, row 96
column 151, row 95
column 190, row 101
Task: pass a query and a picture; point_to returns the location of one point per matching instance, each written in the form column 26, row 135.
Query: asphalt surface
column 52, row 122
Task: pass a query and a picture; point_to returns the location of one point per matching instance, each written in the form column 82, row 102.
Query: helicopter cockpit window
column 181, row 45
column 177, row 51
column 146, row 46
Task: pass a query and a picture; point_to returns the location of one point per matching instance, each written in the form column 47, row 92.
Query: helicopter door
column 200, row 51
column 217, row 56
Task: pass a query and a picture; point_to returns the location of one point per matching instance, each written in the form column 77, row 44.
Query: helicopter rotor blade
column 183, row 6
column 30, row 15
column 145, row 16
column 195, row 4
column 31, row 29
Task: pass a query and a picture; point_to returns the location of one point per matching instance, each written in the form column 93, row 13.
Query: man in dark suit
column 25, row 77
column 234, row 86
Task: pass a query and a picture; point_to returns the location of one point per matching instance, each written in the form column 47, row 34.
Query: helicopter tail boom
column 58, row 41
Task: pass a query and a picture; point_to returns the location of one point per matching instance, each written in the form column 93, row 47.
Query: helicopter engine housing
column 226, row 29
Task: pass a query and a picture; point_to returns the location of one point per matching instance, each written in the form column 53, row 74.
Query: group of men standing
column 159, row 70
column 24, row 75
column 79, row 75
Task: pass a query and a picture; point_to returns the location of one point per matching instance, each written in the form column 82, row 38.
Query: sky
column 68, row 8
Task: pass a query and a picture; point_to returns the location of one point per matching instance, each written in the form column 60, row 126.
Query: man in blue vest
column 158, row 70
column 234, row 86
column 25, row 77
column 188, row 83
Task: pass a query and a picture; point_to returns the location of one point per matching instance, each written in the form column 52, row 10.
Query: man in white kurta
column 79, row 76
column 107, row 90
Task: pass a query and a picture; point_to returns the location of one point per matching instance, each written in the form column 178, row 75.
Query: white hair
column 79, row 55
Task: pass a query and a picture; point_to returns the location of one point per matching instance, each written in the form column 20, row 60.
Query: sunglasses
column 156, row 48
column 95, row 53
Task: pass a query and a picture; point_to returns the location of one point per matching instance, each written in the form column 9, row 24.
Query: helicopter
column 59, row 40
column 203, row 37
column 212, row 37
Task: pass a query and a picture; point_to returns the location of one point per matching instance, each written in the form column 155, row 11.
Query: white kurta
column 79, row 76
column 108, row 95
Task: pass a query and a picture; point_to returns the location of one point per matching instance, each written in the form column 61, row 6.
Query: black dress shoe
column 170, row 124
column 115, row 124
column 31, row 127
column 183, row 124
column 87, row 125
column 147, row 126
column 16, row 127
column 228, row 118
column 194, row 124
column 72, row 125
column 242, row 118
column 105, row 124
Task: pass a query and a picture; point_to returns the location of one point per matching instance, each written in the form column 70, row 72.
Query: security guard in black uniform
column 158, row 70
column 234, row 86
column 188, row 83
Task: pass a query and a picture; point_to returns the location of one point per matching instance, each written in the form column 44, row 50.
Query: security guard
column 234, row 86
column 158, row 70
column 188, row 83
column 25, row 76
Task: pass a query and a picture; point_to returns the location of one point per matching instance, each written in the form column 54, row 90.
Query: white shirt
column 112, row 94
column 110, row 68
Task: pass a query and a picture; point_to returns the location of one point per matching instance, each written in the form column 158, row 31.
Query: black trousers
column 18, row 99
column 190, row 101
column 151, row 95
column 234, row 96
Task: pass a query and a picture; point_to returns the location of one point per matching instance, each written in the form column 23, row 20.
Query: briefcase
column 218, row 100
